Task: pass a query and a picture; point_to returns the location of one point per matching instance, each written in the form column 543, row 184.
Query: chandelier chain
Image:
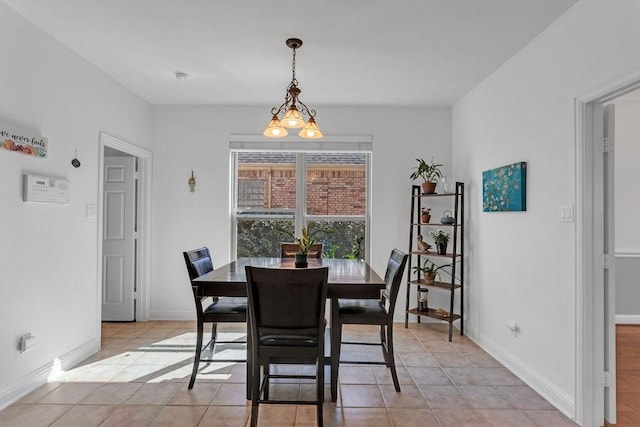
column 293, row 67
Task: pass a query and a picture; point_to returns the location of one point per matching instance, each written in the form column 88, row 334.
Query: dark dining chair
column 289, row 250
column 286, row 319
column 369, row 312
column 220, row 310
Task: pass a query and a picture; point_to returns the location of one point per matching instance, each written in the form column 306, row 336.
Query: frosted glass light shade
column 293, row 119
column 275, row 129
column 310, row 130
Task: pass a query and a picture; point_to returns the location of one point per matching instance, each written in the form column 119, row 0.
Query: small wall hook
column 75, row 162
column 192, row 183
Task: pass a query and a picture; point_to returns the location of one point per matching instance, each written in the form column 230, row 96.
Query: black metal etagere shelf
column 453, row 282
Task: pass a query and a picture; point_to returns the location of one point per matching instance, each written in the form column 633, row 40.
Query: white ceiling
column 355, row 52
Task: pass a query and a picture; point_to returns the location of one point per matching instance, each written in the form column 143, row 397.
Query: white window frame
column 335, row 144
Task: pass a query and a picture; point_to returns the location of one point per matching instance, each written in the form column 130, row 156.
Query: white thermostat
column 44, row 189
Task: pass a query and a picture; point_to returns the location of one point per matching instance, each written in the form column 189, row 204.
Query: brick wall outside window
column 331, row 190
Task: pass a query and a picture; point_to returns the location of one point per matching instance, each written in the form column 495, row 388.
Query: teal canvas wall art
column 505, row 188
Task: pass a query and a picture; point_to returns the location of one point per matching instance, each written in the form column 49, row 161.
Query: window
column 250, row 194
column 336, row 198
column 270, row 195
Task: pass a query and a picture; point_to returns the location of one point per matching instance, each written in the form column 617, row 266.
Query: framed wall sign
column 19, row 142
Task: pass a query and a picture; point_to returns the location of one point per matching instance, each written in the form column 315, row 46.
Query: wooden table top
column 348, row 278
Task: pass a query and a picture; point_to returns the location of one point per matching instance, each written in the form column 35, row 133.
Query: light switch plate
column 566, row 213
column 91, row 210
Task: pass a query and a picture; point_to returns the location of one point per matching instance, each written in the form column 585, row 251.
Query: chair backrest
column 198, row 262
column 289, row 250
column 286, row 301
column 393, row 278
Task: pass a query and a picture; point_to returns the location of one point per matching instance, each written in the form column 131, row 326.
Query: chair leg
column 214, row 337
column 319, row 388
column 383, row 343
column 266, row 372
column 336, row 337
column 255, row 393
column 196, row 357
column 249, row 363
column 214, row 333
column 254, row 415
column 391, row 358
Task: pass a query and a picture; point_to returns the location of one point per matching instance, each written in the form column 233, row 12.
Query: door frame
column 143, row 205
column 589, row 180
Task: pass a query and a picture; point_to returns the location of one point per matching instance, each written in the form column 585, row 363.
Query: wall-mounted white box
column 44, row 189
column 27, row 342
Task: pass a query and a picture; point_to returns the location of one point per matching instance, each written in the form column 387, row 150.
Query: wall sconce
column 192, row 183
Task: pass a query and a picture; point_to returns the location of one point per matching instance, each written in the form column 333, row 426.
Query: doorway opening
column 111, row 229
column 596, row 267
column 119, row 261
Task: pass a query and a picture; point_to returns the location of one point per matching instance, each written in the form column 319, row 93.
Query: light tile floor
column 140, row 379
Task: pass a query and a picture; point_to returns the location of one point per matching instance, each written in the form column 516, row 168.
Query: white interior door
column 118, row 246
column 609, row 270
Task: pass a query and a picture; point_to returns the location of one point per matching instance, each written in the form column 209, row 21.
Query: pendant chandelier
column 293, row 108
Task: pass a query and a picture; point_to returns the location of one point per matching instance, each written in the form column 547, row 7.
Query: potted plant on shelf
column 425, row 215
column 441, row 239
column 429, row 173
column 305, row 241
column 429, row 271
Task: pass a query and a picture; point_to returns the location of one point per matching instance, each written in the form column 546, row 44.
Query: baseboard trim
column 627, row 319
column 554, row 395
column 41, row 375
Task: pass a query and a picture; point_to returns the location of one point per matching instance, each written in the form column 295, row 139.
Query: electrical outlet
column 27, row 342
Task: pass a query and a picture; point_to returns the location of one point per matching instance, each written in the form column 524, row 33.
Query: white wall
column 522, row 265
column 627, row 209
column 197, row 138
column 48, row 252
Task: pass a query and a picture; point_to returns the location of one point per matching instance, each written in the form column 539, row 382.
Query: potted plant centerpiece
column 429, row 271
column 441, row 239
column 429, row 173
column 305, row 241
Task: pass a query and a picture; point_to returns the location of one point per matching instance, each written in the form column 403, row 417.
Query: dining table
column 348, row 278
